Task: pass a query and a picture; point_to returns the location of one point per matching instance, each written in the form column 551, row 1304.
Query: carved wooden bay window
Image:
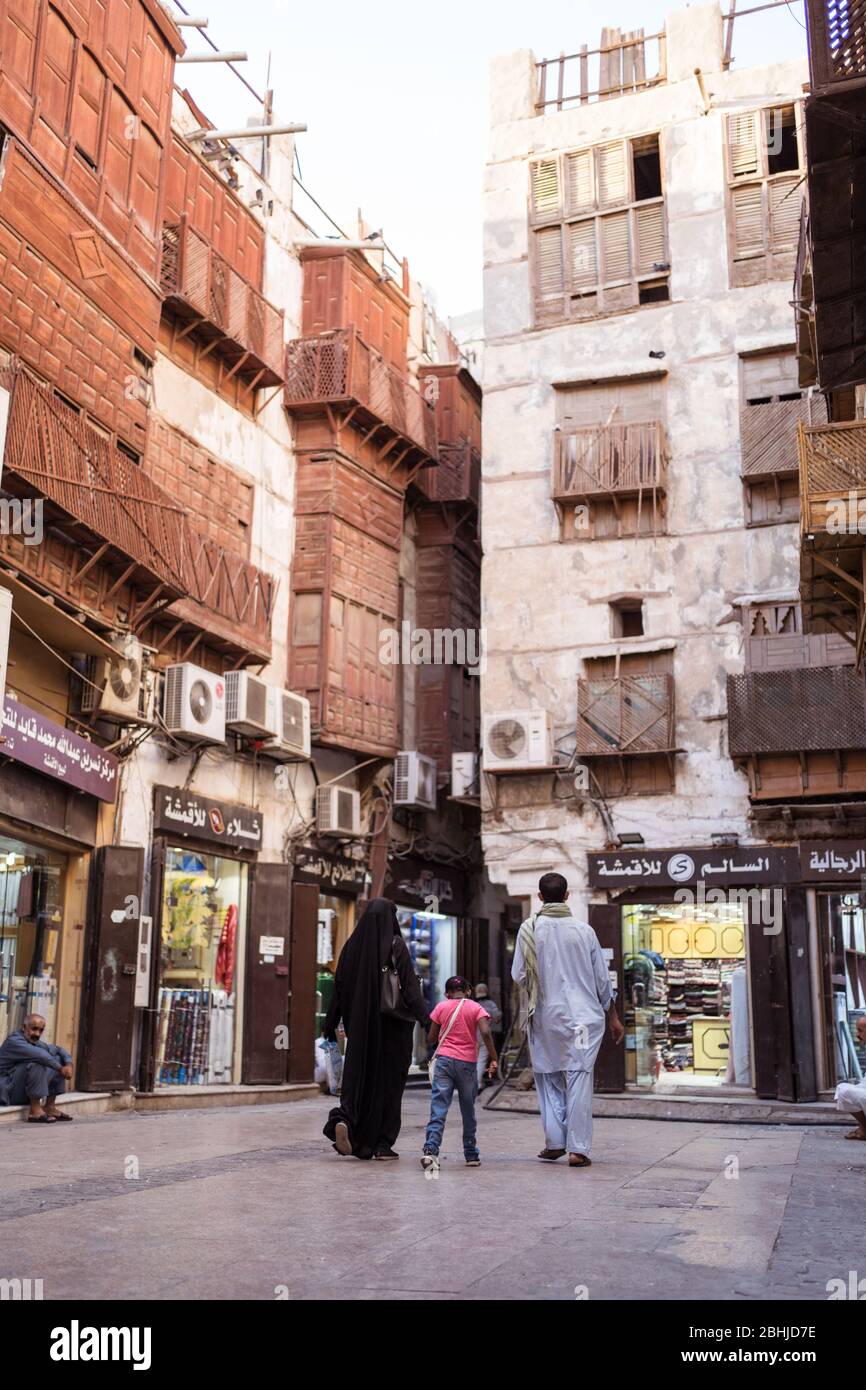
column 765, row 174
column 626, row 723
column 599, row 233
column 772, row 407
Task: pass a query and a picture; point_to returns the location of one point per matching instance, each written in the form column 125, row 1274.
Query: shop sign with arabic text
column 186, row 813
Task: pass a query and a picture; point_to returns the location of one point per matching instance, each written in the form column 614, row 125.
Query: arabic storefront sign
column 833, row 859
column 185, row 813
column 331, row 872
column 48, row 748
column 665, row 868
column 412, row 883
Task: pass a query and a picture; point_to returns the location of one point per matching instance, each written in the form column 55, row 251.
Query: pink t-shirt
column 461, row 1041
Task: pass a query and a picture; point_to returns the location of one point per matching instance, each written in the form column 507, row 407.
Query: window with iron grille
column 764, row 168
column 599, row 233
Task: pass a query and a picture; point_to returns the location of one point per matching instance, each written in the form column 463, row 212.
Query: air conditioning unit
column 517, row 739
column 338, row 810
column 250, row 707
column 116, row 686
column 194, row 703
column 415, row 781
column 291, row 721
column 464, row 774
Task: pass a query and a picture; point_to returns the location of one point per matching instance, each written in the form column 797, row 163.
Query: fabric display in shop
column 224, row 973
column 195, row 1038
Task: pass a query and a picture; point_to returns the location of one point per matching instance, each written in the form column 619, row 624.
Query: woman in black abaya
column 379, row 1047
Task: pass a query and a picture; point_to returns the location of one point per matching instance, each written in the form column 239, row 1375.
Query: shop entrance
column 203, row 951
column 32, row 883
column 685, row 995
column 842, row 922
column 432, row 941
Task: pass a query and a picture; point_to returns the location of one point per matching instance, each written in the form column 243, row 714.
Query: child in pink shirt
column 457, row 1020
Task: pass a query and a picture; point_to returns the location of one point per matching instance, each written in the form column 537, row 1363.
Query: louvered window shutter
column 545, row 187
column 578, row 182
column 548, row 258
column 743, row 144
column 651, row 250
column 615, row 250
column 582, row 254
column 612, row 174
column 748, row 206
column 785, row 199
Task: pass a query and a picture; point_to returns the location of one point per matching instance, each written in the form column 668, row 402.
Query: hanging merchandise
column 224, row 972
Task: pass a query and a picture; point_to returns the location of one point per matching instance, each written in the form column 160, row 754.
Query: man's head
column 34, row 1027
column 861, row 1029
column 482, row 992
column 552, row 888
column 458, row 988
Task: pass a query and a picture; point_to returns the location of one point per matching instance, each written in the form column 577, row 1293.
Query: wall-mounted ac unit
column 338, row 810
column 517, row 739
column 464, row 774
column 415, row 781
column 249, row 705
column 194, row 703
column 115, row 686
column 291, row 721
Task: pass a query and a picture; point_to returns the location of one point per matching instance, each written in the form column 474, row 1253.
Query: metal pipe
column 249, row 132
column 212, row 58
column 359, row 245
column 189, row 23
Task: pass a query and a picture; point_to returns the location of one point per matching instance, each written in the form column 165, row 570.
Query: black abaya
column 379, row 1047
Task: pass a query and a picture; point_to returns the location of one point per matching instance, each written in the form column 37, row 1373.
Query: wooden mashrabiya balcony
column 595, row 461
column 338, row 369
column 105, row 502
column 833, row 529
column 625, row 715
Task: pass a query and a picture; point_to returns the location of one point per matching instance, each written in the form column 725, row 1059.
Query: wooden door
column 266, row 988
column 108, row 1002
column 302, row 999
column 606, row 921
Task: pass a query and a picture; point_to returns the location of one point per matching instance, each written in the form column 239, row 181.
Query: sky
column 395, row 98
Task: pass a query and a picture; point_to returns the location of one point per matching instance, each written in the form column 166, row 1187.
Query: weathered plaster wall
column 545, row 601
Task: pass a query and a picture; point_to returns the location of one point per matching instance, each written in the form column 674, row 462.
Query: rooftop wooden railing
column 617, row 67
column 625, row 715
column 596, row 460
column 832, row 477
column 457, row 477
column 339, row 368
column 247, row 328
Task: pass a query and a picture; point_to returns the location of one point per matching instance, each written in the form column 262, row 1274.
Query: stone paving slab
column 252, row 1203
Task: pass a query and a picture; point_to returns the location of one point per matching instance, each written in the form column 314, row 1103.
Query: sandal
column 551, row 1155
column 61, row 1115
column 855, row 1134
column 579, row 1161
column 40, row 1119
column 342, row 1142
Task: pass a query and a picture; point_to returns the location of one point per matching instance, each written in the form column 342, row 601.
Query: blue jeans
column 451, row 1074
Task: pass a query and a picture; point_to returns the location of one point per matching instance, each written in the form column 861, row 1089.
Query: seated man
column 852, row 1097
column 34, row 1072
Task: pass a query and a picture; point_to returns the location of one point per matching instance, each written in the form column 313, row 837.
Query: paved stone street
column 233, row 1203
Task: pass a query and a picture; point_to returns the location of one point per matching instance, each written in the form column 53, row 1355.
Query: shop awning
column 56, row 627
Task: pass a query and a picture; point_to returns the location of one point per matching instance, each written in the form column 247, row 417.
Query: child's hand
column 492, row 1068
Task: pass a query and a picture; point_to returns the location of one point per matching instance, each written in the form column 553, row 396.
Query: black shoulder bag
column 391, row 1001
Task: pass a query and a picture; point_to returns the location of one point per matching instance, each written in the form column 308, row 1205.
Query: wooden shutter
column 118, row 154
column 19, row 41
column 785, row 198
column 302, row 1009
column 108, row 1004
column 545, row 187
column 548, row 266
column 650, row 228
column 748, row 209
column 578, row 182
column 56, row 78
column 605, row 920
column 87, row 107
column 145, row 182
column 266, row 986
column 770, row 375
column 615, row 249
column 743, row 144
column 612, row 174
column 582, row 254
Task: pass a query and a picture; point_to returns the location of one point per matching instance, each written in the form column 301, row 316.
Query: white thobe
column 851, row 1098
column 566, row 1030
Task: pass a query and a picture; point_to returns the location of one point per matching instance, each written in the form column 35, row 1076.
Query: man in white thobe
column 559, row 963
